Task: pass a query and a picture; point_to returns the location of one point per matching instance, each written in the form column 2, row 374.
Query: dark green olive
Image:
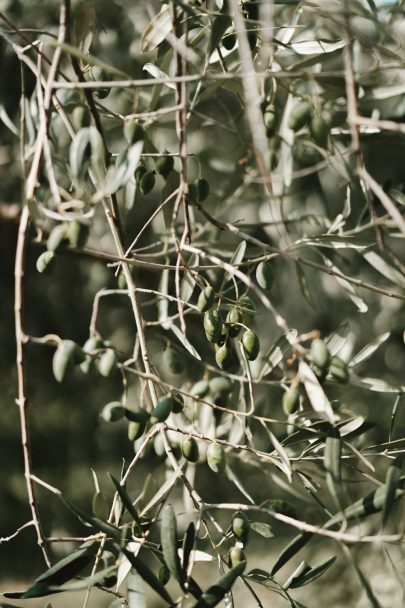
column 164, row 165
column 206, row 299
column 338, row 370
column 133, row 132
column 251, row 344
column 234, row 318
column 225, row 357
column 136, row 414
column 173, row 361
column 203, row 189
column 162, row 410
column 147, row 182
column 320, row 131
column 291, row 401
column 212, row 324
column 190, row 449
column 140, row 172
column 264, row 275
column 177, row 403
column 229, row 39
column 300, row 115
column 270, row 120
column 240, row 526
column 320, row 355
column 67, row 355
column 216, row 458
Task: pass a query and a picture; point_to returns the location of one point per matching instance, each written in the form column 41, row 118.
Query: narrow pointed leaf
column 146, row 573
column 126, row 501
column 216, row 592
column 312, row 574
column 168, row 538
column 392, row 481
column 332, row 463
column 98, row 524
column 292, row 549
column 188, row 544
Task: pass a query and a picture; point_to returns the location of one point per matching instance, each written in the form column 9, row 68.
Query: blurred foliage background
column 68, row 435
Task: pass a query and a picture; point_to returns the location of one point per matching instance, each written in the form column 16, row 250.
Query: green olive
column 200, row 389
column 206, row 299
column 240, row 526
column 234, row 319
column 140, row 172
column 264, row 275
column 107, row 363
column 229, row 39
column 291, row 401
column 136, row 414
column 112, row 412
column 216, row 458
column 147, row 182
column 251, row 344
column 80, row 117
column 164, row 165
column 338, row 370
column 212, row 324
column 299, row 116
column 190, row 449
column 225, row 357
column 136, row 430
column 164, row 575
column 319, row 129
column 57, row 239
column 320, row 355
column 162, row 410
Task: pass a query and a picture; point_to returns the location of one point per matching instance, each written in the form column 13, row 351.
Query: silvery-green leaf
column 369, row 349
column 157, row 30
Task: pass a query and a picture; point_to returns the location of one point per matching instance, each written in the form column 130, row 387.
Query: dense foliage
column 208, row 294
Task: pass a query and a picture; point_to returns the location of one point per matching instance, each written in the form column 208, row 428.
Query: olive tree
column 234, row 171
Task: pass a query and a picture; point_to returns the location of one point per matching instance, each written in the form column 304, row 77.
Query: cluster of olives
column 302, row 114
column 73, row 234
column 240, row 529
column 325, row 366
column 94, row 354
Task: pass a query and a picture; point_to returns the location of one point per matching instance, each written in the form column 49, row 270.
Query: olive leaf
column 146, row 573
column 126, row 501
column 292, row 549
column 216, row 592
column 332, row 463
column 310, row 574
column 169, row 540
column 157, row 30
column 392, row 482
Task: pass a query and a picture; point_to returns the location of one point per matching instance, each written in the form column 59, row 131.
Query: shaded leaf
column 216, row 592
column 146, row 573
column 278, row 351
column 392, row 481
column 168, row 539
column 312, row 574
column 188, row 544
column 315, row 392
column 98, row 524
column 184, row 341
column 262, row 529
column 332, row 463
column 126, row 501
column 292, row 549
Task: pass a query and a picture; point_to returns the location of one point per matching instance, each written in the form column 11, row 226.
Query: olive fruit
column 177, row 403
column 162, row 410
column 251, row 344
column 80, row 117
column 236, row 556
column 164, row 575
column 136, row 430
column 93, row 344
column 57, row 239
column 147, row 182
column 248, row 309
column 107, row 362
column 133, row 132
column 240, row 526
column 136, row 414
column 198, row 190
column 77, row 233
column 173, row 361
column 164, row 165
column 212, row 325
column 216, row 458
column 291, row 401
column 338, row 370
column 67, row 355
column 206, row 299
column 46, row 262
column 140, row 172
column 264, row 275
column 112, row 412
column 299, row 116
column 229, row 39
column 225, row 357
column 98, row 74
column 190, row 449
column 319, row 129
column 234, row 319
column 200, row 389
column 320, row 355
column 100, row 506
